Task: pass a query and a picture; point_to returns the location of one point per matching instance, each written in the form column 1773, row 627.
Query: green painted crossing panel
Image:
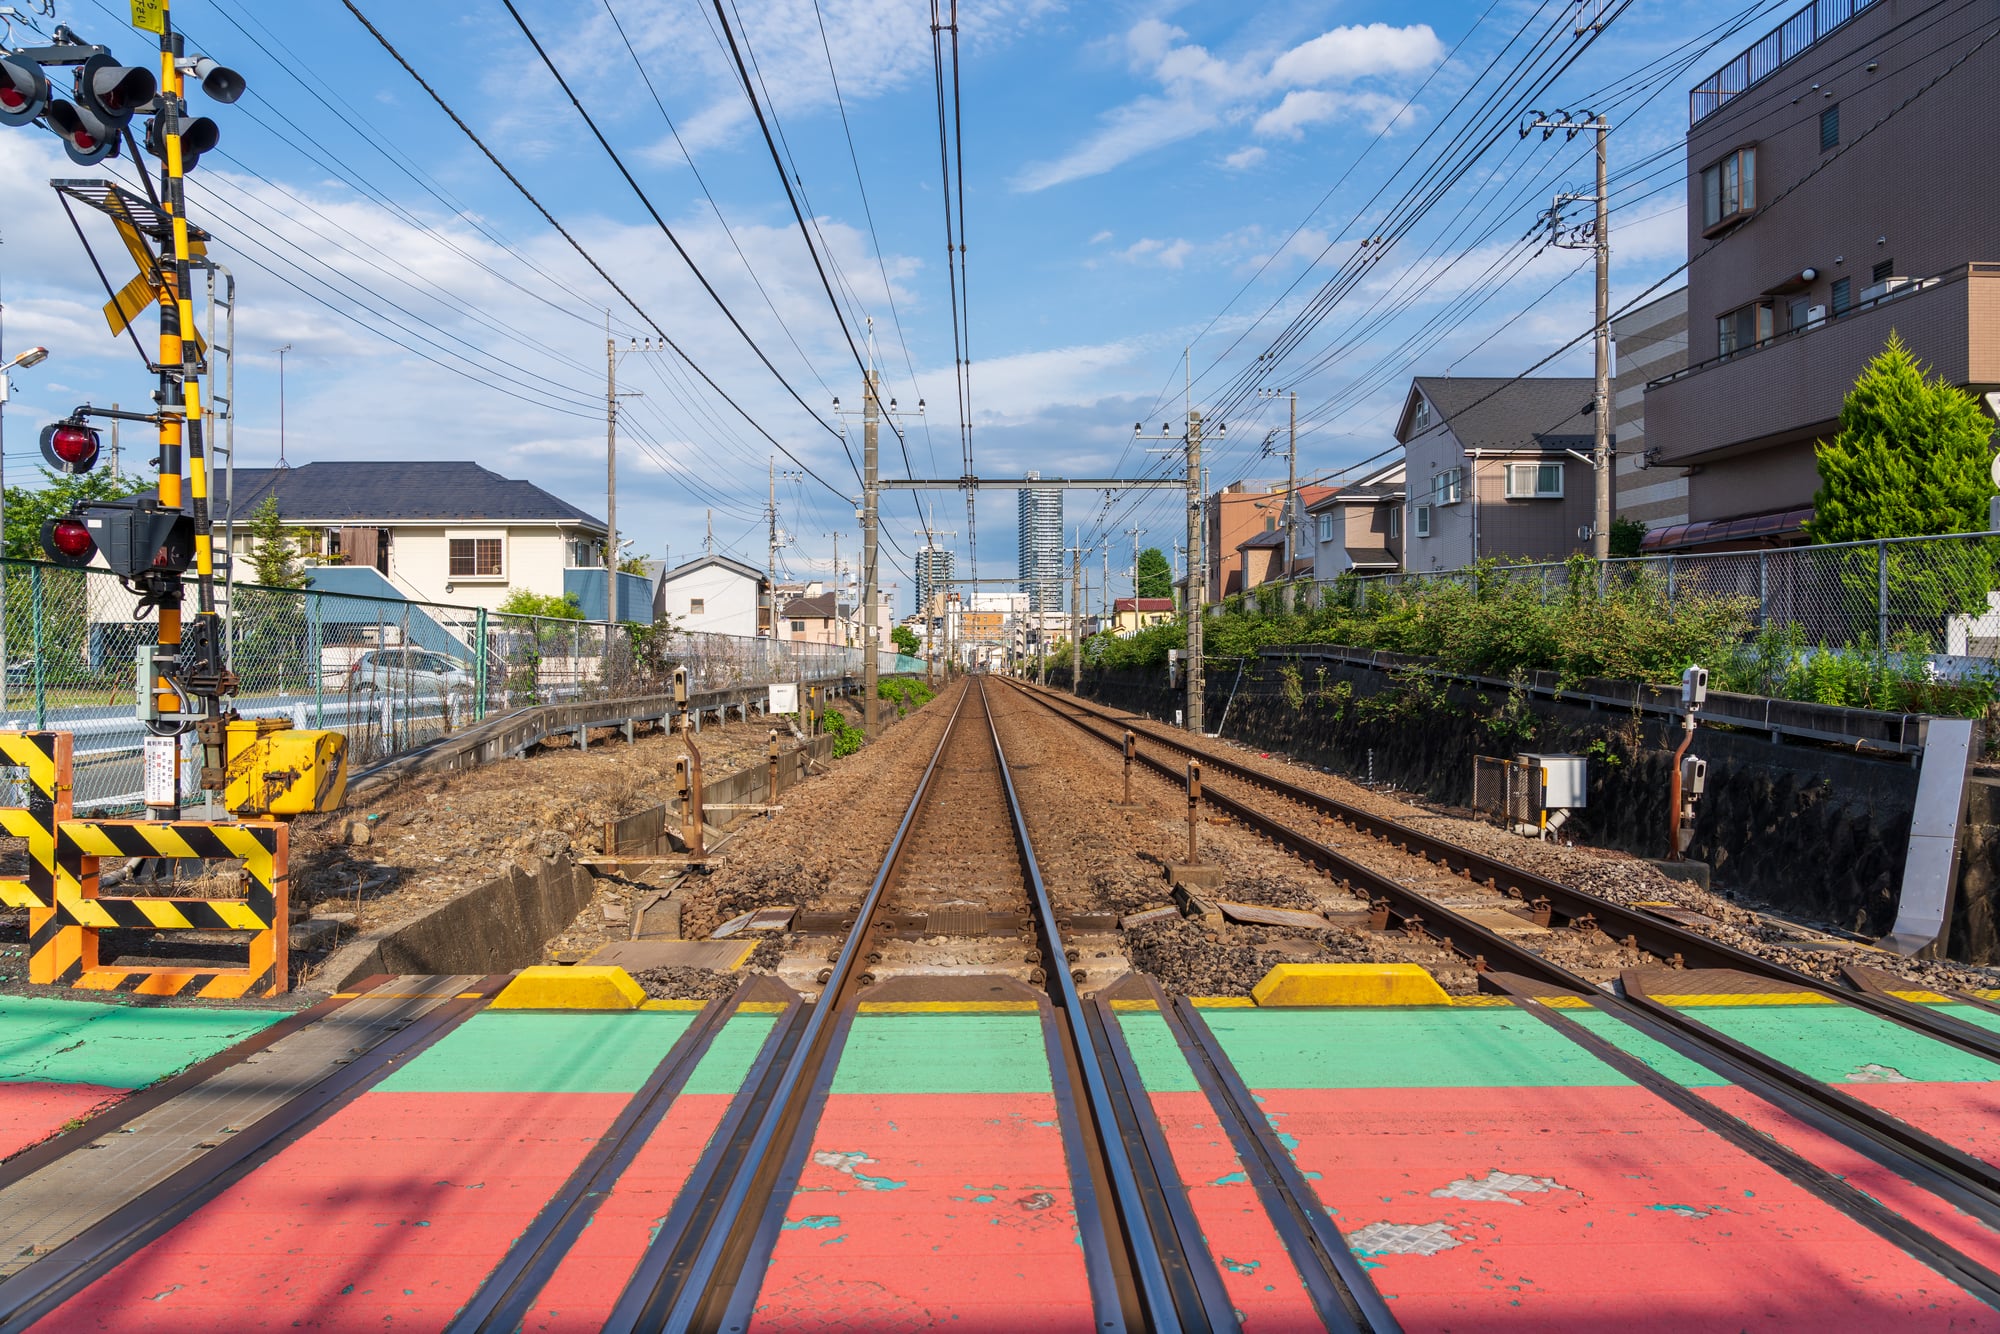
column 1664, row 1059
column 1971, row 1014
column 520, row 1051
column 117, row 1046
column 1837, row 1044
column 730, row 1053
column 944, row 1052
column 1431, row 1047
column 1162, row 1067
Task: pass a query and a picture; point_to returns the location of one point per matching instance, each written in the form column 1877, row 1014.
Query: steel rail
column 690, row 1297
column 1665, row 940
column 1142, row 1244
column 1973, row 1183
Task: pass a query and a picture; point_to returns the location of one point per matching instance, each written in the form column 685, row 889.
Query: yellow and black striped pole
column 180, row 380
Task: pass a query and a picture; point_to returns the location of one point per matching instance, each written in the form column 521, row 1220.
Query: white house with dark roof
column 718, row 595
column 440, row 531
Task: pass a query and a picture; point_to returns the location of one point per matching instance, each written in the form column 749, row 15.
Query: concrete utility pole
column 771, row 540
column 1292, row 489
column 1197, row 570
column 1596, row 236
column 610, row 484
column 870, row 438
column 1197, row 573
column 1076, row 616
column 1135, row 534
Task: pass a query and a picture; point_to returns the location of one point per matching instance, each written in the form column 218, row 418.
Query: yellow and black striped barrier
column 82, row 912
column 66, row 912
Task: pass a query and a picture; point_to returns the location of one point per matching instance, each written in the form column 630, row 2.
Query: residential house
column 1650, row 343
column 1359, row 526
column 717, row 595
column 1237, row 513
column 816, row 620
column 1840, row 187
column 1131, row 615
column 1496, row 468
column 438, row 530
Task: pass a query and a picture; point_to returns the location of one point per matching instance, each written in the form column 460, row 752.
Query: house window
column 1729, row 188
column 476, row 558
column 1423, row 520
column 1743, row 328
column 1447, row 487
column 798, row 627
column 1420, row 420
column 1395, row 521
column 697, row 606
column 1534, row 481
column 1326, row 528
column 1882, row 272
column 1829, row 128
column 1843, row 296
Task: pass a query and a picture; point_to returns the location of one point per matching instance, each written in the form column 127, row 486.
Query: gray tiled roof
column 372, row 492
column 819, row 608
column 1489, row 413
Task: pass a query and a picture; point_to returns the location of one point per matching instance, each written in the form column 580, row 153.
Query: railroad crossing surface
column 1712, row 1143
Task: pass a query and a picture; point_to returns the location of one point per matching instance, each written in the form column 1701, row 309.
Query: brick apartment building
column 1826, row 208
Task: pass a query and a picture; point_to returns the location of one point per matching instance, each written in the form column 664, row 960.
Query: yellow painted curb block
column 579, row 987
column 1222, row 1002
column 1348, row 984
column 673, row 1005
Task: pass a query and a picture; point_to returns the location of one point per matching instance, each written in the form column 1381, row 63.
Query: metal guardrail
column 1801, row 29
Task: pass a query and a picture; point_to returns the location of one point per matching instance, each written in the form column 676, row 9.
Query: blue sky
column 1137, row 177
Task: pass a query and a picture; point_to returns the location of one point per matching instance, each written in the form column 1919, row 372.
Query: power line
column 527, row 194
column 661, row 222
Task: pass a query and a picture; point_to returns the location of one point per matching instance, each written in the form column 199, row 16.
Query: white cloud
column 1315, row 106
column 1200, row 91
column 1167, row 254
column 1245, row 158
column 1101, row 237
column 1345, row 54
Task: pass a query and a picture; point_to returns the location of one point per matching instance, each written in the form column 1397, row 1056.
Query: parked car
column 411, row 671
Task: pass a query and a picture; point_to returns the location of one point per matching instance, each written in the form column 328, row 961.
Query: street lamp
column 34, row 356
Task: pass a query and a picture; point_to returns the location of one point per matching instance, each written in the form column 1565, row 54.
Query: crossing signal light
column 198, row 136
column 107, row 96
column 70, row 447
column 67, row 541
column 138, row 537
column 24, row 89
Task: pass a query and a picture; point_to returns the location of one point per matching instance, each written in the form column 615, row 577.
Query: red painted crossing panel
column 1256, row 1270
column 30, row 1113
column 587, row 1284
column 1588, row 1208
column 921, row 1209
column 386, row 1217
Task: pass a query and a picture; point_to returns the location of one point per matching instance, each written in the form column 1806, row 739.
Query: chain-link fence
column 1928, row 595
column 391, row 674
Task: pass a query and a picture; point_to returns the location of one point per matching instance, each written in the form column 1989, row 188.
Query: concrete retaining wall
column 500, row 925
column 1805, row 830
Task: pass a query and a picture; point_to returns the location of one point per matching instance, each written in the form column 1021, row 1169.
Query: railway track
column 963, row 846
column 1513, row 967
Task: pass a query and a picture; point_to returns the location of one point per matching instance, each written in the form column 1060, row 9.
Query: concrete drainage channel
column 509, row 921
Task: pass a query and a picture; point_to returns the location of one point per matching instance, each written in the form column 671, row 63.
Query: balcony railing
column 1776, row 47
column 1896, row 293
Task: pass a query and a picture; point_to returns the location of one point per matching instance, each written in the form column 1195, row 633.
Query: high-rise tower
column 1041, row 546
column 933, row 568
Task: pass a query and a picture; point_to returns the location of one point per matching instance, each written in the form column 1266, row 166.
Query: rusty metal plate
column 636, row 956
column 771, row 919
column 1259, row 915
column 957, row 920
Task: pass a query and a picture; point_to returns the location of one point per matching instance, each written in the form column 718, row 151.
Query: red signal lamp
column 70, row 447
column 67, row 541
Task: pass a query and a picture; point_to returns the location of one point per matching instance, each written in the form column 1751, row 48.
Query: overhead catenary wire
column 550, row 218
